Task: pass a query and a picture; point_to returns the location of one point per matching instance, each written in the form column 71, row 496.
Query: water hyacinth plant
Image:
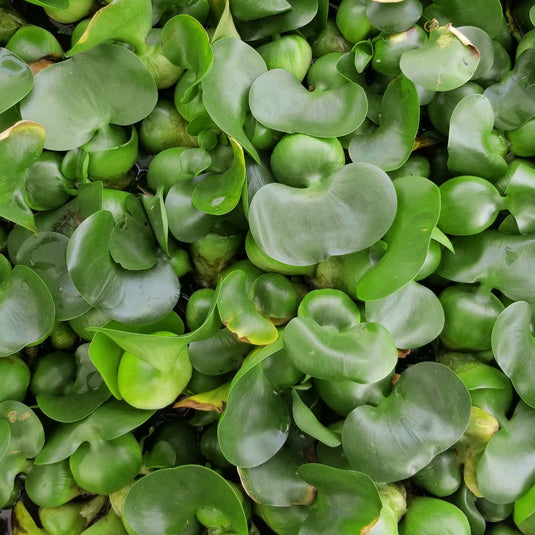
column 267, row 267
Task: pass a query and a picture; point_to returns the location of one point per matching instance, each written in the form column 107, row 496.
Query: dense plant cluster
column 267, row 267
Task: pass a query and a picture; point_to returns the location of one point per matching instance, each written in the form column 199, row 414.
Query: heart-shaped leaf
column 280, row 102
column 346, row 501
column 506, row 470
column 447, row 61
column 361, row 195
column 226, row 87
column 426, row 413
column 173, row 496
column 72, row 114
column 276, row 481
column 390, row 144
column 417, row 214
column 494, row 259
column 514, row 348
column 327, row 341
column 473, row 147
column 22, row 439
column 413, row 315
column 119, row 293
column 26, row 310
column 16, row 79
column 256, row 422
column 20, row 147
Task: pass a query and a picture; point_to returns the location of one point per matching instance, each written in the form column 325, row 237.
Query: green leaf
column 361, row 195
column 186, row 43
column 22, row 439
column 128, row 21
column 239, row 314
column 473, row 147
column 119, row 293
column 519, row 195
column 500, row 261
column 167, row 500
column 155, row 210
column 226, row 87
column 347, row 501
column 251, row 10
column 390, row 144
column 306, row 420
column 325, row 344
column 514, row 348
column 26, row 310
column 72, row 114
column 219, row 194
column 301, row 13
column 506, row 470
column 513, row 97
column 280, row 102
column 256, row 421
column 447, row 61
column 394, row 17
column 16, row 79
column 413, row 315
column 276, row 482
column 485, row 14
column 426, row 413
column 20, row 147
column 46, row 255
column 408, row 239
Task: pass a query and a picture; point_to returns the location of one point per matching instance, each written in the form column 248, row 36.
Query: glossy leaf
column 276, row 482
column 20, row 147
column 226, row 87
column 417, row 214
column 512, row 97
column 219, row 194
column 346, row 501
column 325, row 345
column 46, row 255
column 120, row 20
column 507, row 468
column 197, row 56
column 26, row 310
column 497, row 260
column 250, row 10
column 302, row 12
column 22, row 439
column 256, row 422
column 72, row 115
column 166, row 501
column 473, row 148
column 155, row 210
column 519, row 196
column 394, row 17
column 390, row 144
column 413, row 315
column 280, row 102
column 119, row 293
column 446, row 62
column 426, row 413
column 514, row 348
column 362, row 197
column 16, row 79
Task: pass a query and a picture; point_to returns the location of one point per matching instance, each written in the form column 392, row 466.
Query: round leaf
column 16, row 79
column 426, row 413
column 166, row 501
column 127, row 93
